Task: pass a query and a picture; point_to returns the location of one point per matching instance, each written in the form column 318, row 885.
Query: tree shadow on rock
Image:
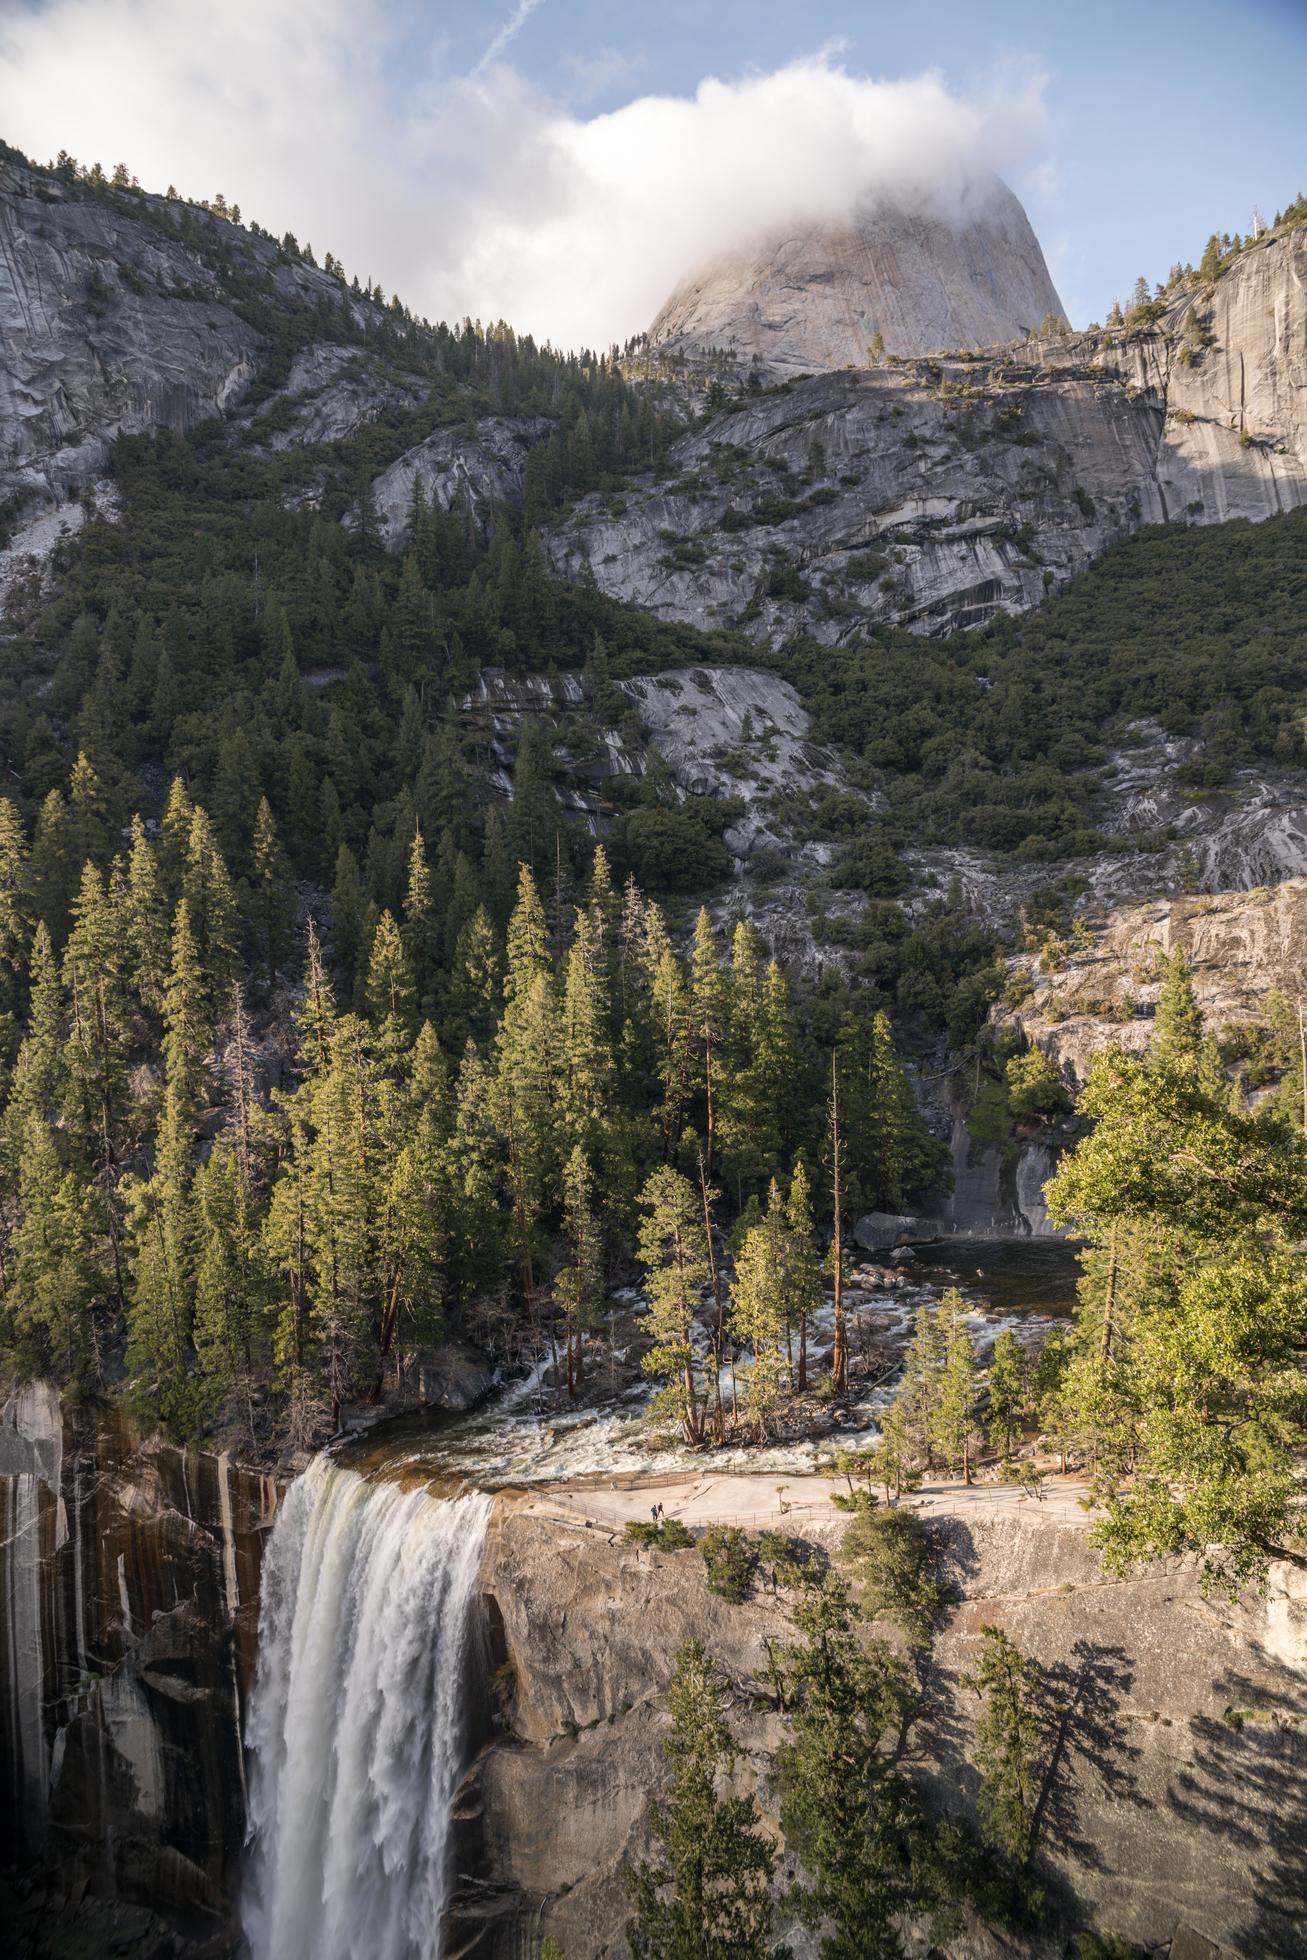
column 1246, row 1791
column 1090, row 1761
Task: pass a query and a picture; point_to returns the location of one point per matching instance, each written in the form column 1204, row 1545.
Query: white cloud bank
column 478, row 194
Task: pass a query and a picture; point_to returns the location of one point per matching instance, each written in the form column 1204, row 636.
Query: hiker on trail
column 653, row 1512
column 658, row 1512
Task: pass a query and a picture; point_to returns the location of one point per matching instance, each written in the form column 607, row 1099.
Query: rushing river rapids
column 357, row 1727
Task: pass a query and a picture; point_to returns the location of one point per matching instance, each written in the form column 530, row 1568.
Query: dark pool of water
column 1034, row 1275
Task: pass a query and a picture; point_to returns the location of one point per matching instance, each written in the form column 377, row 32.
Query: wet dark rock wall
column 129, row 1576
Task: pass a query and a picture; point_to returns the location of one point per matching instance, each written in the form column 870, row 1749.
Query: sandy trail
column 761, row 1500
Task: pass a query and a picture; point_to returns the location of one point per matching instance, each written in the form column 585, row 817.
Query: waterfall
column 356, row 1728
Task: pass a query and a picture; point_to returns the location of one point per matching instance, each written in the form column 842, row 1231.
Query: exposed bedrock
column 923, row 275
column 934, row 494
column 1175, row 1796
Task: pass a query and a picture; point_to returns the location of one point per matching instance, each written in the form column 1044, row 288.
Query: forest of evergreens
column 313, row 1043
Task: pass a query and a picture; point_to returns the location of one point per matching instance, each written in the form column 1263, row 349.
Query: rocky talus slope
column 931, row 494
column 925, row 275
column 1173, row 1807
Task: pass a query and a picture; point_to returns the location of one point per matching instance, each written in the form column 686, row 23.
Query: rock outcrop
column 934, row 494
column 129, row 1573
column 1174, row 1800
column 1239, row 945
column 111, row 324
column 924, row 276
column 482, row 466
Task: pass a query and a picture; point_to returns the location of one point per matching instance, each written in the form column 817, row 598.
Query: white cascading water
column 356, row 1728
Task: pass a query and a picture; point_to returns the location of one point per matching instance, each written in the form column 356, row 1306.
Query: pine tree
column 391, row 994
column 284, row 1244
column 473, row 1167
column 1178, row 1027
column 673, row 1249
column 846, row 1812
column 670, row 1013
column 342, row 1211
column 708, row 1001
column 475, row 980
column 147, row 922
column 13, row 921
column 236, row 793
column 917, row 1396
column 739, row 1114
column 272, row 893
column 94, row 965
column 528, row 1070
column 528, row 939
column 840, row 1353
column 776, row 1067
column 186, row 1026
column 178, row 816
column 894, row 1139
column 758, row 1313
column 1008, row 1392
column 161, row 1218
column 88, row 815
column 586, row 1058
column 38, row 1078
column 421, row 927
column 578, row 1287
column 707, row 1893
column 953, row 1415
column 56, row 1285
column 1008, row 1745
column 411, row 1251
column 233, row 1283
column 1208, row 1201
column 55, row 866
column 211, row 908
column 803, row 1287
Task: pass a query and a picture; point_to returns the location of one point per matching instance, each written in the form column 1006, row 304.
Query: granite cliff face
column 814, row 297
column 933, row 494
column 1239, row 946
column 119, row 317
column 1174, row 1802
column 129, row 1574
column 927, row 493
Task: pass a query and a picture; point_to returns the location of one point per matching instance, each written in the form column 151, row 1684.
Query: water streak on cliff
column 357, row 1723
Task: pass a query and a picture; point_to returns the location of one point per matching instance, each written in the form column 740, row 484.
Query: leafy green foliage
column 889, row 1556
column 1185, row 1374
column 846, row 1809
column 731, row 1561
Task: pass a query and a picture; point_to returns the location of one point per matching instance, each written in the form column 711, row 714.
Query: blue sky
column 561, row 163
column 1168, row 120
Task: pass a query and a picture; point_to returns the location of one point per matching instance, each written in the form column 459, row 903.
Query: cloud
column 591, row 75
column 511, row 28
column 478, row 194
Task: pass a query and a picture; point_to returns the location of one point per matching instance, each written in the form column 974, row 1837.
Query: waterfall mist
column 356, row 1728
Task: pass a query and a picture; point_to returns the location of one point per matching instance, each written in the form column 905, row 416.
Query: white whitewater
column 356, row 1727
